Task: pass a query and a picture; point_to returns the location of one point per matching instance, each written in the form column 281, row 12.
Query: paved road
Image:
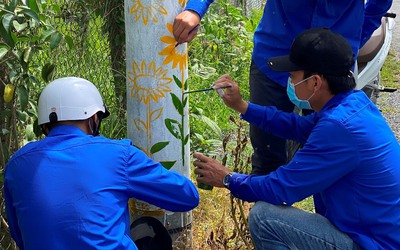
column 389, row 103
column 396, row 32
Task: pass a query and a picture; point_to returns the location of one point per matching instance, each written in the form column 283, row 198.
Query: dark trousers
column 269, row 151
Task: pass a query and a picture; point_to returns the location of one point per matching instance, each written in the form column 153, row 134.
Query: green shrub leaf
column 7, row 19
column 19, row 26
column 69, row 41
column 22, row 97
column 55, row 40
column 47, row 72
column 32, row 4
column 31, row 14
column 3, row 51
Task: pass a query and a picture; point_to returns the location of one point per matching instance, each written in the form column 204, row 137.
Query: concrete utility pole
column 157, row 109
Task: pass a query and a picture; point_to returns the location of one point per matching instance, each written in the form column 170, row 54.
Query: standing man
column 281, row 22
column 70, row 190
column 350, row 161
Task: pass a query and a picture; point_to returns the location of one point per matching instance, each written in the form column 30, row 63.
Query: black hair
column 53, row 123
column 336, row 84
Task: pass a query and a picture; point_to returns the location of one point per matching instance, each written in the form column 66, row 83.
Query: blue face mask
column 290, row 90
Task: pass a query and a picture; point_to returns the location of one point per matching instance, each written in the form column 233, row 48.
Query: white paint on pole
column 157, row 112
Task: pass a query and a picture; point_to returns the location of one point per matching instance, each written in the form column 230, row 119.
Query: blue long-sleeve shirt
column 350, row 162
column 71, row 191
column 283, row 20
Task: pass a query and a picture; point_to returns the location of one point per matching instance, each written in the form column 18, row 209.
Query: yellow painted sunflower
column 142, row 76
column 182, row 3
column 145, row 12
column 173, row 54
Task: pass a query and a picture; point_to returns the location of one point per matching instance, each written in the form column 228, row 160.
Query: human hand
column 209, row 171
column 231, row 96
column 185, row 26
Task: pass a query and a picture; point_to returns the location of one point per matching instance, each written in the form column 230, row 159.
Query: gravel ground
column 389, row 103
column 396, row 33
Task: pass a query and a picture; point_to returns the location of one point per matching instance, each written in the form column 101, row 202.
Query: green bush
column 223, row 45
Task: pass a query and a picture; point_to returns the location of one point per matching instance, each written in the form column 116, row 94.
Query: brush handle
column 207, row 89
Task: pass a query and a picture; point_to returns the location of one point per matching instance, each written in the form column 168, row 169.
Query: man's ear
column 318, row 82
column 45, row 129
column 95, row 118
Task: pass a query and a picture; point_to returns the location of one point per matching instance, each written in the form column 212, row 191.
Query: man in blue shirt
column 70, row 190
column 281, row 22
column 350, row 161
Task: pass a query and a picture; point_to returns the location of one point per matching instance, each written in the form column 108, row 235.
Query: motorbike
column 371, row 58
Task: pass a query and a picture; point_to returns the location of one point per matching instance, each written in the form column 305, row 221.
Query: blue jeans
column 286, row 227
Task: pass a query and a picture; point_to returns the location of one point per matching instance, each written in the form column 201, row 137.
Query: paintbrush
column 190, row 31
column 207, row 89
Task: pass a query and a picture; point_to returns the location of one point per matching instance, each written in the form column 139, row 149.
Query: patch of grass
column 389, row 110
column 211, row 218
column 306, row 205
column 390, row 73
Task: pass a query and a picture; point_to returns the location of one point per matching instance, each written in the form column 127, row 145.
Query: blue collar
column 336, row 99
column 66, row 129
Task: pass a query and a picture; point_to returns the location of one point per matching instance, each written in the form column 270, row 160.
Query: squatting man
column 350, row 161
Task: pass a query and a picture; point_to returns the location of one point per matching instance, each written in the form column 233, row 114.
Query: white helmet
column 69, row 98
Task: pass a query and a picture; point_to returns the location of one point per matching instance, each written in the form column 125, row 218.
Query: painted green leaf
column 158, row 146
column 168, row 164
column 173, row 128
column 185, row 141
column 177, row 103
column 177, row 81
column 185, row 86
column 184, row 101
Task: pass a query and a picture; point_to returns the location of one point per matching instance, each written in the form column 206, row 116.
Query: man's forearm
column 374, row 10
